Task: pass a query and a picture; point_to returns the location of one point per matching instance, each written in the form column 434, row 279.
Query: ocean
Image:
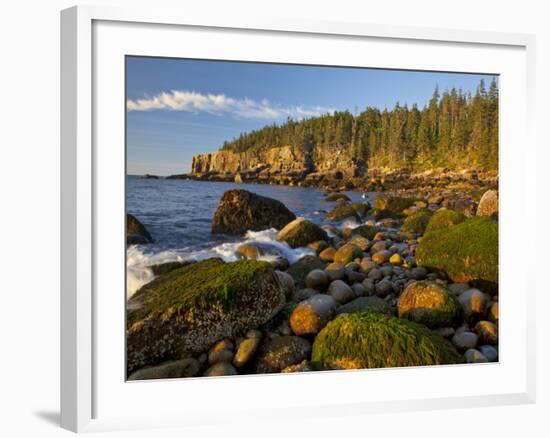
column 178, row 214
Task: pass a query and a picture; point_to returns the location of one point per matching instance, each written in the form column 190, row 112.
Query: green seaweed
column 375, row 340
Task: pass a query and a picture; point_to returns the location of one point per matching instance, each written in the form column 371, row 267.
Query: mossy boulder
column 443, row 219
column 341, row 212
column 164, row 268
column 366, row 231
column 393, row 204
column 136, row 233
column 376, row 340
column 430, row 304
column 188, row 309
column 304, row 266
column 417, row 222
column 240, row 211
column 301, row 232
column 467, row 252
column 348, row 253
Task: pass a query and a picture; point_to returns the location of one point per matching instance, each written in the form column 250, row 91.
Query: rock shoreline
column 416, row 283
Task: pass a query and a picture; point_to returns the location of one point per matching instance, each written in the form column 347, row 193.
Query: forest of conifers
column 454, row 130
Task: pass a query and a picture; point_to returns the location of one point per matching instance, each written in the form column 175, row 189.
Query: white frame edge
column 77, row 194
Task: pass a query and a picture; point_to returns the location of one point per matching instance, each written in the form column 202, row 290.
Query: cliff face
column 285, row 161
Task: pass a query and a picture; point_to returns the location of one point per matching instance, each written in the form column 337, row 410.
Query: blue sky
column 177, row 108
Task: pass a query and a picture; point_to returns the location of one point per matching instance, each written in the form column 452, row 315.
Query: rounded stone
column 348, row 253
column 487, row 331
column 340, row 291
column 215, row 356
column 220, row 369
column 493, row 313
column 317, row 279
column 287, row 282
column 395, row 259
column 474, row 356
column 381, row 257
column 335, row 271
column 429, row 303
column 311, row 315
column 282, row 352
column 247, row 349
column 383, row 288
column 188, row 367
column 375, row 274
column 490, row 352
column 465, row 340
column 327, row 255
column 473, row 302
column 378, row 246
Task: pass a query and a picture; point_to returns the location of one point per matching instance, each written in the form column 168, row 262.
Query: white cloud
column 191, row 101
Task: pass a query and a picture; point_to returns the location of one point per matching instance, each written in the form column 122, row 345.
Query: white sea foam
column 138, row 260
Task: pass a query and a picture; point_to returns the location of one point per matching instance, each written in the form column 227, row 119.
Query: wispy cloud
column 191, row 101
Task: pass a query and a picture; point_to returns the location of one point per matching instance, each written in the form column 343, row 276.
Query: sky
column 177, row 108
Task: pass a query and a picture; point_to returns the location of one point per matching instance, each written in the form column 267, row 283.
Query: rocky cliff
column 287, row 162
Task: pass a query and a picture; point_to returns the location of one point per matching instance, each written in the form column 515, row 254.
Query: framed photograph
column 288, row 216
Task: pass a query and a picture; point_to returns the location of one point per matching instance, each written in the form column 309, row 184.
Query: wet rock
column 348, row 253
column 465, row 340
column 136, row 233
column 361, row 304
column 335, row 271
column 332, row 197
column 474, row 304
column 240, row 211
column 493, row 313
column 302, row 267
column 249, row 251
column 383, row 288
column 287, row 282
column 490, row 352
column 247, row 349
column 487, row 331
column 381, row 257
column 303, row 294
column 327, row 255
column 474, row 356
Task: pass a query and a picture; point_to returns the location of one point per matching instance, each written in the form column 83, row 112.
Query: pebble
column 474, row 356
column 493, row 312
column 340, row 291
column 458, row 288
column 378, row 246
column 311, row 315
column 220, row 369
column 358, row 289
column 419, row 273
column 375, row 274
column 287, row 282
column 317, row 279
column 335, row 271
column 383, row 288
column 367, row 265
column 487, row 331
column 368, row 284
column 245, row 352
column 327, row 255
column 381, row 257
column 465, row 340
column 473, row 302
column 490, row 352
column 395, row 259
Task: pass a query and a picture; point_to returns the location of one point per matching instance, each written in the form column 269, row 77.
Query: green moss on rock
column 443, row 219
column 466, row 252
column 348, row 253
column 190, row 308
column 417, row 222
column 375, row 340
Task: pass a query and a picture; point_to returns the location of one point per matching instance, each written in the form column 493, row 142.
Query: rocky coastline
column 414, row 282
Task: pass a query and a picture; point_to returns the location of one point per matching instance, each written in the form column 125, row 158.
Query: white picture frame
column 86, row 376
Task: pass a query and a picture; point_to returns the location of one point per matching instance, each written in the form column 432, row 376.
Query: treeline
column 454, row 130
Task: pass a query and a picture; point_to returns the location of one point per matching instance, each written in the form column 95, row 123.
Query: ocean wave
column 140, row 257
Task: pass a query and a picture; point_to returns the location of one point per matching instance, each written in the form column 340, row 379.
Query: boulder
column 488, row 204
column 443, row 219
column 282, row 352
column 376, row 340
column 311, row 315
column 240, row 211
column 136, row 233
column 366, row 231
column 361, row 304
column 467, row 252
column 348, row 253
column 174, row 369
column 430, row 304
column 301, row 232
column 249, row 251
column 190, row 308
